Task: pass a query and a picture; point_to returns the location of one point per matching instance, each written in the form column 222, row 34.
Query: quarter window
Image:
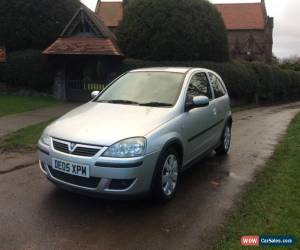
column 217, row 86
column 199, row 86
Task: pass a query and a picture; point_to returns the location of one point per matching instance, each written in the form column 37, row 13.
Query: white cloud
column 286, row 18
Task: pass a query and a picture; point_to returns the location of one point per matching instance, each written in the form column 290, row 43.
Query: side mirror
column 94, row 94
column 197, row 102
column 200, row 101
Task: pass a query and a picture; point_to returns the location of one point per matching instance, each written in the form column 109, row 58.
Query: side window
column 217, row 86
column 199, row 85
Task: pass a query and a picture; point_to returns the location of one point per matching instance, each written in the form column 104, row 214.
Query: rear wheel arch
column 229, row 121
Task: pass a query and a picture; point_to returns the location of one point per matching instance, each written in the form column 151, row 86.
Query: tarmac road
column 36, row 215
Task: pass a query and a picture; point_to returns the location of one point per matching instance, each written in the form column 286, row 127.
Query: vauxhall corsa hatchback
column 138, row 134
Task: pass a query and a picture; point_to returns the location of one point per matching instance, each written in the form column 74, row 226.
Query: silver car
column 138, row 134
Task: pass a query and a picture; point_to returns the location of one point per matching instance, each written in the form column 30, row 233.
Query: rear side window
column 217, row 86
column 199, row 86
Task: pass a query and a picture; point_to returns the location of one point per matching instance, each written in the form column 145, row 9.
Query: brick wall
column 252, row 45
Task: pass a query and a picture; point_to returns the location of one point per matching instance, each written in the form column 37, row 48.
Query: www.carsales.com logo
column 250, row 240
column 267, row 240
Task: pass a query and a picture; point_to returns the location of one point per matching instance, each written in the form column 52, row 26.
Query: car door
column 220, row 101
column 198, row 122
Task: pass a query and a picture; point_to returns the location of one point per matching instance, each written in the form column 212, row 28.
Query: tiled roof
column 98, row 22
column 237, row 16
column 110, row 12
column 83, row 46
column 243, row 16
column 103, row 42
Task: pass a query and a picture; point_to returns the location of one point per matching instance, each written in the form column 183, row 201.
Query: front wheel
column 225, row 141
column 166, row 176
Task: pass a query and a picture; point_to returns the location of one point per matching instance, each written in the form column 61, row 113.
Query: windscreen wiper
column 119, row 101
column 156, row 104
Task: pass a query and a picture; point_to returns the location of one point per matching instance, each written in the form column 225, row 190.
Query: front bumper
column 109, row 177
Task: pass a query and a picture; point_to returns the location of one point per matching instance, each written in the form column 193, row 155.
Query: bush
column 292, row 63
column 263, row 73
column 28, row 69
column 246, row 82
column 294, row 88
column 282, row 82
column 173, row 30
column 274, row 83
column 33, row 23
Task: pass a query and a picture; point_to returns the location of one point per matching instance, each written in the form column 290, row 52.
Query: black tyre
column 165, row 179
column 225, row 141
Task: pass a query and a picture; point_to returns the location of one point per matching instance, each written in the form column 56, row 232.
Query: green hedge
column 294, row 84
column 245, row 81
column 27, row 69
column 173, row 30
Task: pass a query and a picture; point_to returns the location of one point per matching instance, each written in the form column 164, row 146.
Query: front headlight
column 133, row 147
column 45, row 139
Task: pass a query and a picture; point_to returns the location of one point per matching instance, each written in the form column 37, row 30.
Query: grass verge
column 243, row 107
column 23, row 140
column 10, row 104
column 271, row 205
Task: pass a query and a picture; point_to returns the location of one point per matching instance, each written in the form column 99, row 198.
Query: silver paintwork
column 103, row 124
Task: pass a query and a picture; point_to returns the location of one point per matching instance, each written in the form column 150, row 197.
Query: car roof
column 165, row 69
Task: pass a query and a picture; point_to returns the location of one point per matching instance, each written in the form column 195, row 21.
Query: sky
column 286, row 23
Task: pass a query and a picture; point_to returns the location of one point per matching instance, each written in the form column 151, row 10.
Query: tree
column 173, row 30
column 26, row 24
column 291, row 63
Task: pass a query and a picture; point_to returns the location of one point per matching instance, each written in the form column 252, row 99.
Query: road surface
column 36, row 215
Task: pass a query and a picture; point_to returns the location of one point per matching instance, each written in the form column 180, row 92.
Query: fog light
column 116, row 184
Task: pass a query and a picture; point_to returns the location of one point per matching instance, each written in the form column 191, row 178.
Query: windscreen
column 145, row 88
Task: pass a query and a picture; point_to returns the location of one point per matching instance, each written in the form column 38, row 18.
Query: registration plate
column 71, row 168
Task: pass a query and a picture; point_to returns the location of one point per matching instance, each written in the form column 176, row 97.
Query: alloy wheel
column 169, row 175
column 227, row 137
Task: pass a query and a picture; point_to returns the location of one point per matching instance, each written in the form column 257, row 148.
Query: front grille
column 62, row 147
column 79, row 150
column 91, row 182
column 85, row 151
